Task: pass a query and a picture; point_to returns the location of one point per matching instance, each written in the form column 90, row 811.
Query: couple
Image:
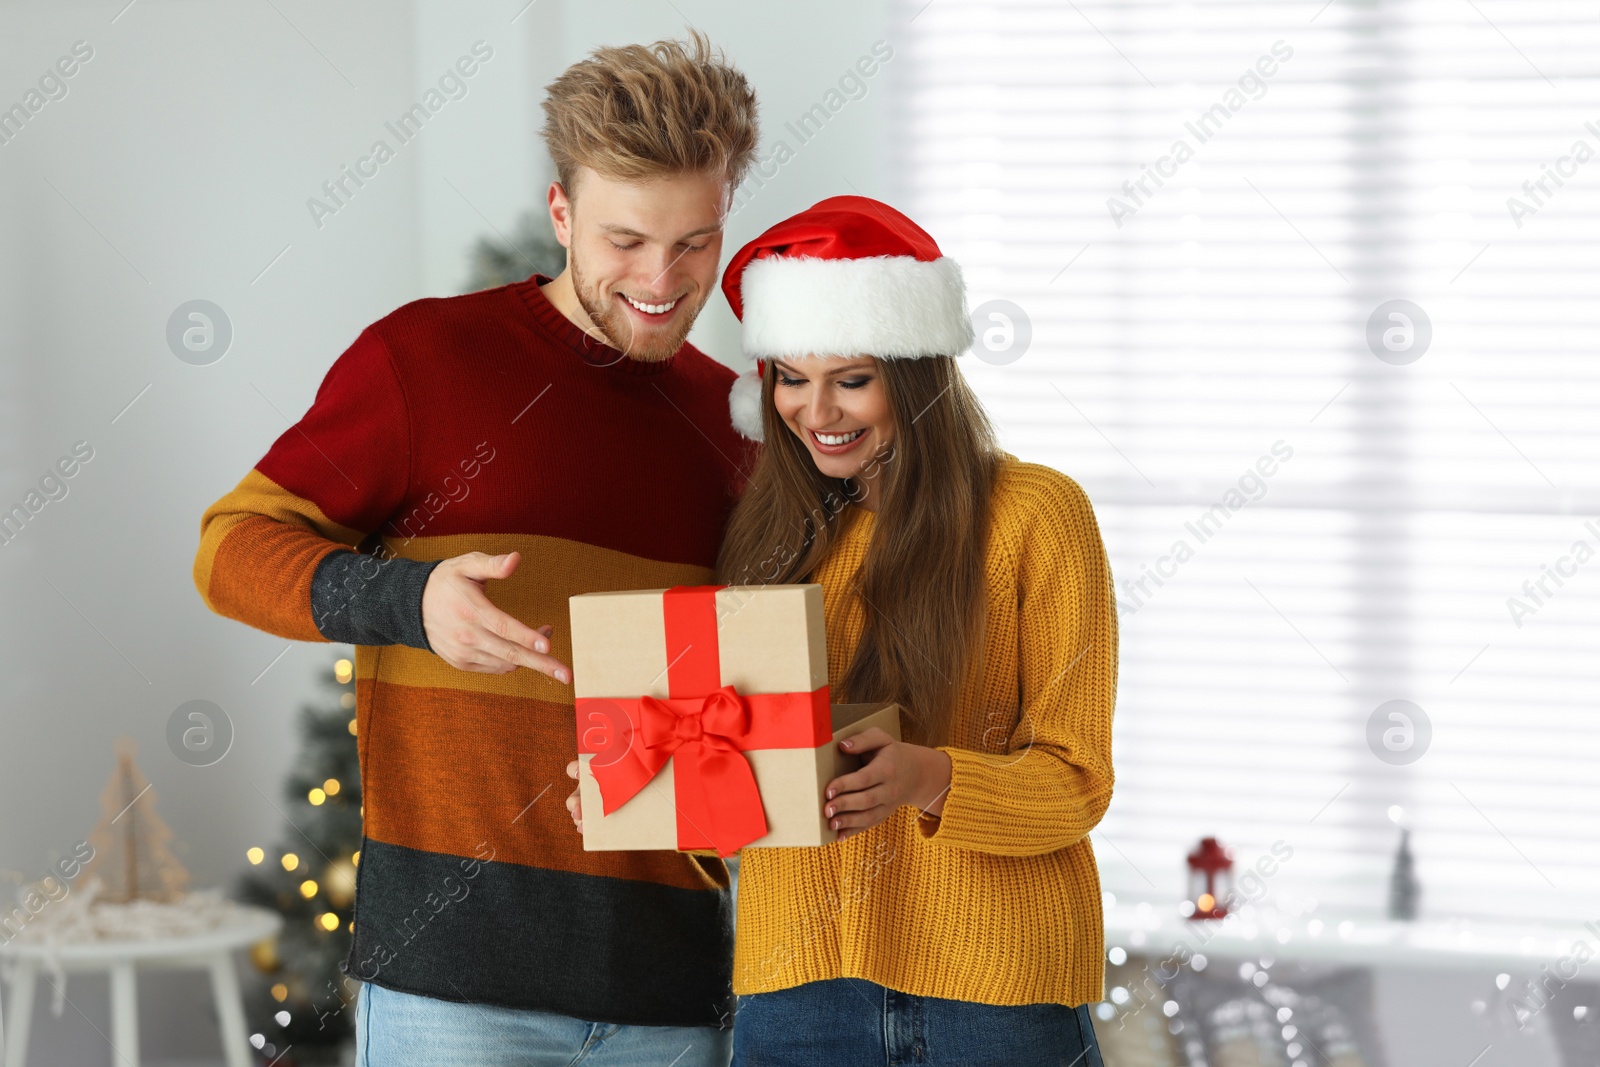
column 469, row 463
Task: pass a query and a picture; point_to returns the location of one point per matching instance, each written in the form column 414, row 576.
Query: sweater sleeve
column 278, row 552
column 1053, row 784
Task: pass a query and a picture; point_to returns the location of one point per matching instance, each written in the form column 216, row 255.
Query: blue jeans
column 850, row 1022
column 405, row 1030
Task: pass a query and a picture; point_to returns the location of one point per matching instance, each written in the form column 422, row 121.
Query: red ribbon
column 704, row 726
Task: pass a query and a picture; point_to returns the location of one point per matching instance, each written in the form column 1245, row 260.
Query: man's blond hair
column 637, row 112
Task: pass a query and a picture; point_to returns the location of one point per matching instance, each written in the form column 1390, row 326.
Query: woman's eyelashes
column 843, row 383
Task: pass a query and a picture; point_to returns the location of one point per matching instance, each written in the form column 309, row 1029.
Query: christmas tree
column 302, row 1009
column 530, row 249
column 131, row 857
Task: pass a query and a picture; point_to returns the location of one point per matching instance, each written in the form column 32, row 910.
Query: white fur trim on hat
column 885, row 306
column 744, row 405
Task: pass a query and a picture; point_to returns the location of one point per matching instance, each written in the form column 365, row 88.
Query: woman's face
column 838, row 407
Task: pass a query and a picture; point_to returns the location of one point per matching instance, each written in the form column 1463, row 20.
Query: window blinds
column 1308, row 293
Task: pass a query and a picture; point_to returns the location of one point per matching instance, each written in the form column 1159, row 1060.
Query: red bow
column 706, row 740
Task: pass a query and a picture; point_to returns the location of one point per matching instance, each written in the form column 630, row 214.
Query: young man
column 467, row 465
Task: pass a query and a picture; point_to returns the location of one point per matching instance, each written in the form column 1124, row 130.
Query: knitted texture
column 998, row 901
column 361, row 600
column 490, row 423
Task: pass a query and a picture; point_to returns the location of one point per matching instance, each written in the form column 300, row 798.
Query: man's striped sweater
column 490, row 423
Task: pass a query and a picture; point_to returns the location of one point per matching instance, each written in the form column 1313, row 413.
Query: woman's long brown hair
column 922, row 582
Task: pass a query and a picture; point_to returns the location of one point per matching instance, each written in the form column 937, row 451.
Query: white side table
column 211, row 951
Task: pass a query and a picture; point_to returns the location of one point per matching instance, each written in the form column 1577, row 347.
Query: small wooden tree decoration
column 131, row 856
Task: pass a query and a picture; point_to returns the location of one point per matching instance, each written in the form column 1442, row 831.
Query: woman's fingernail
column 561, row 676
column 847, row 744
column 830, row 794
column 836, row 824
column 829, row 812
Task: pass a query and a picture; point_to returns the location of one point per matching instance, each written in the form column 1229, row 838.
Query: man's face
column 643, row 255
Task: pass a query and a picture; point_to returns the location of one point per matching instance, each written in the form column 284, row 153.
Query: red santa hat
column 848, row 276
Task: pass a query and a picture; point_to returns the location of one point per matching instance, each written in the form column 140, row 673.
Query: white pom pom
column 744, row 405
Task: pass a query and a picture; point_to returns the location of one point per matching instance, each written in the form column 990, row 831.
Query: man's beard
column 618, row 329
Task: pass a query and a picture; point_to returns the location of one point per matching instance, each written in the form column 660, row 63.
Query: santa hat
column 849, row 276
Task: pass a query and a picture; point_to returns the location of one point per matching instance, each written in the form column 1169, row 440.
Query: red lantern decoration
column 1210, row 879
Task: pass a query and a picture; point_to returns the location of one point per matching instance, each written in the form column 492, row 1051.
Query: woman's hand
column 575, row 802
column 895, row 773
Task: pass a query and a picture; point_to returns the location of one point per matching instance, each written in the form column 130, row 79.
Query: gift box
column 703, row 718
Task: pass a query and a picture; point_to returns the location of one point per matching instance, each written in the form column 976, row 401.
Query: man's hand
column 575, row 802
column 468, row 632
column 895, row 773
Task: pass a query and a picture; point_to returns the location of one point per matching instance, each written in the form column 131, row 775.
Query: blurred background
column 1302, row 292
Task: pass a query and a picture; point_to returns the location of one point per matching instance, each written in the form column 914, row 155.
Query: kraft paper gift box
column 703, row 718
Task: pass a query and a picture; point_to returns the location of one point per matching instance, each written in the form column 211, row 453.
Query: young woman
column 957, row 921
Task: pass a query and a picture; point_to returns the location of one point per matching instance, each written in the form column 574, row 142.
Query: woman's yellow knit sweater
column 997, row 901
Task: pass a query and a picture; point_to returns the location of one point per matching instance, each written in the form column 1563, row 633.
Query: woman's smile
column 836, row 443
